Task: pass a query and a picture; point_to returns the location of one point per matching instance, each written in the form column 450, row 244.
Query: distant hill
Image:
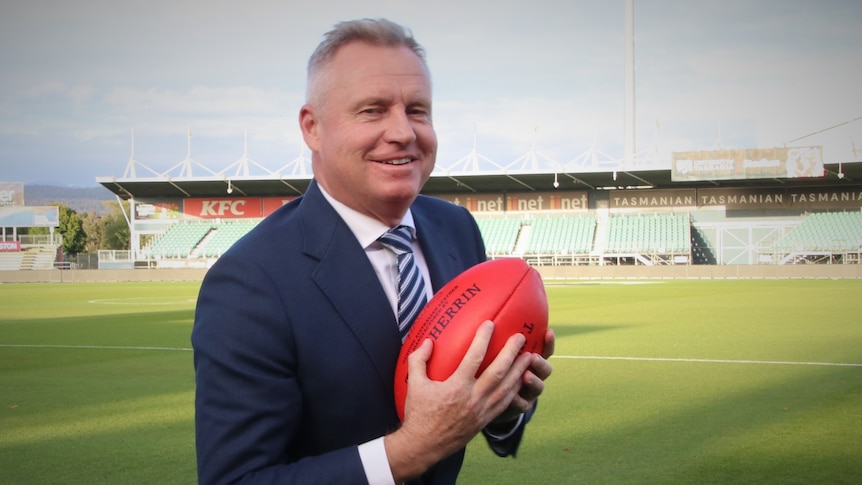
column 81, row 199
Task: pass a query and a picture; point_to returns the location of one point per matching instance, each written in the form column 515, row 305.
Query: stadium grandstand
column 777, row 206
column 785, row 206
column 27, row 251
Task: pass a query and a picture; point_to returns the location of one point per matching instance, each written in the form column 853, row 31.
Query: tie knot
column 398, row 239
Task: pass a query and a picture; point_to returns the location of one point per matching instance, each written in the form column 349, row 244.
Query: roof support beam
column 285, row 182
column 460, row 183
column 123, row 190
column 521, row 182
column 647, row 182
column 178, row 187
column 579, row 181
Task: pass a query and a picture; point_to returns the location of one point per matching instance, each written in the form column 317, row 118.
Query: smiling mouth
column 400, row 161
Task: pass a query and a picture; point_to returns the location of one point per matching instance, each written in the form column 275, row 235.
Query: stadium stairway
column 199, row 249
column 30, row 259
column 11, row 261
column 523, row 240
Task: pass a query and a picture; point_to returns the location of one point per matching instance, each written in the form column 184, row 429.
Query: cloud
column 232, row 101
column 42, row 107
column 85, row 112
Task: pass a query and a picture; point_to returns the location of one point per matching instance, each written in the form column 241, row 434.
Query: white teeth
column 401, row 161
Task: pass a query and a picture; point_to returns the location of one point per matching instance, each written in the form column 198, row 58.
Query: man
column 295, row 331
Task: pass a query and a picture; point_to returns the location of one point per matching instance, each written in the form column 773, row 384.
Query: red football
column 508, row 291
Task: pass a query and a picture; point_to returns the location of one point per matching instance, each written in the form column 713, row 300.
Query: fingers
column 519, row 389
column 533, row 384
column 505, row 365
column 541, row 367
column 550, row 339
column 417, row 362
column 472, row 360
column 534, row 379
column 502, row 379
column 417, row 371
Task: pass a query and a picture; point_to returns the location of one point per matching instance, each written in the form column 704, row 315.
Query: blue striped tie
column 411, row 285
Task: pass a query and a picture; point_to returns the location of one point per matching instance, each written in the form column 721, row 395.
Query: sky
column 511, row 79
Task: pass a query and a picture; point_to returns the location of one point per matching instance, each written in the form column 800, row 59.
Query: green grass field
column 657, row 382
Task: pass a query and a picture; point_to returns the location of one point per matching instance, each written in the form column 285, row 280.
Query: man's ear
column 310, row 126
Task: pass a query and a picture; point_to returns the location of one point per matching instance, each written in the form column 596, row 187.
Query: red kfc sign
column 223, row 208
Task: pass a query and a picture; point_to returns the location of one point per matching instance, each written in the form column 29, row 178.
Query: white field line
column 707, row 361
column 569, row 357
column 98, row 347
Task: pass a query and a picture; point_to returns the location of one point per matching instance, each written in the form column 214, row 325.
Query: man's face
column 370, row 132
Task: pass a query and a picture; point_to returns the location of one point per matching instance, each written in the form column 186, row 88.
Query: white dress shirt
column 367, row 230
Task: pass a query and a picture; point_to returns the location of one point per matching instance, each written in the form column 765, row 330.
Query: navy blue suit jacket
column 295, row 346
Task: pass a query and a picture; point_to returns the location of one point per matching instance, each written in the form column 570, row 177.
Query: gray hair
column 377, row 32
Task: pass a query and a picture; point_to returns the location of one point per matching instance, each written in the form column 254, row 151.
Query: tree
column 110, row 231
column 116, row 230
column 72, row 229
column 93, row 226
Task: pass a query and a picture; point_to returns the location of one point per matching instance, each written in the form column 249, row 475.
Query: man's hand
column 442, row 417
column 531, row 388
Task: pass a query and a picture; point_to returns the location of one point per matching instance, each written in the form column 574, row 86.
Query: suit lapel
column 439, row 251
column 346, row 277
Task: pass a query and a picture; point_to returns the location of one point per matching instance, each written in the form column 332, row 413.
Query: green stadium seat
column 833, row 232
column 658, row 233
column 500, row 234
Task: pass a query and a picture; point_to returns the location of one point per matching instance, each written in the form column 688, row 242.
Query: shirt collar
column 366, row 229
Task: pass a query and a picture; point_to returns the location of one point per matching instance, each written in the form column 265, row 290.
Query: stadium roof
column 458, row 182
column 474, row 173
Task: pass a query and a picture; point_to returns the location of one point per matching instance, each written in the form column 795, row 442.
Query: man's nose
column 399, row 129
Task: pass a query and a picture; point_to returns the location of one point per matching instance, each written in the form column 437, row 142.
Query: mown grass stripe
column 706, row 361
column 98, row 347
column 576, row 357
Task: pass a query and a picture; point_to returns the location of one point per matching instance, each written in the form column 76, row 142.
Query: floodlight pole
column 130, row 166
column 629, row 141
